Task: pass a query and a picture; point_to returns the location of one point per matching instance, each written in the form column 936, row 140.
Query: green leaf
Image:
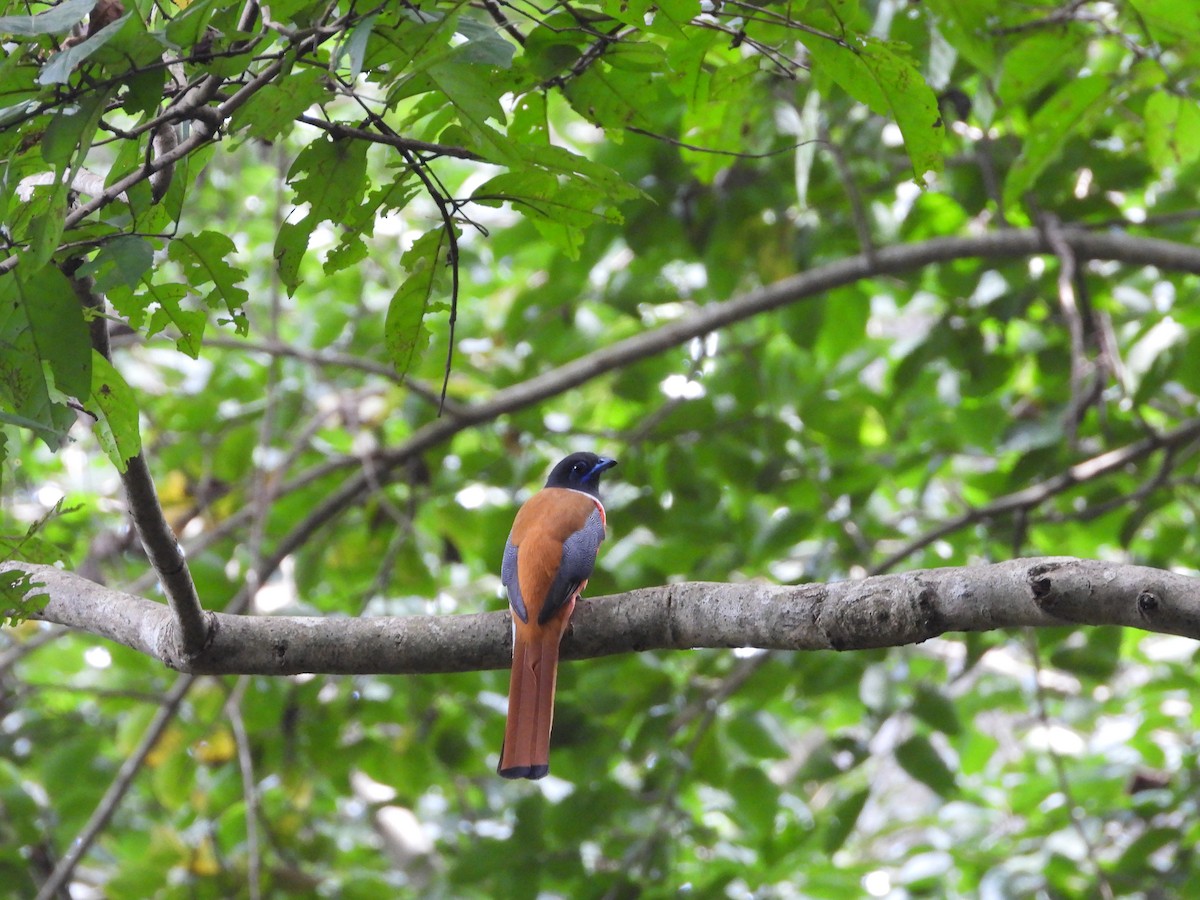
column 636, row 56
column 204, row 258
column 66, row 143
column 59, row 67
column 22, row 422
column 935, row 709
column 59, row 18
column 116, row 411
column 47, row 222
column 330, row 175
column 291, row 243
column 969, row 26
column 611, row 98
column 1170, row 19
column 1094, row 654
column 270, row 111
column 355, row 47
column 1032, row 64
column 45, row 350
column 403, row 330
column 187, row 28
column 189, row 323
column 1070, row 111
column 485, row 45
column 840, row 819
column 875, row 73
column 120, row 262
column 71, row 130
column 1172, row 130
column 757, row 798
column 144, row 91
column 717, row 120
column 553, row 46
column 476, row 101
column 19, row 596
column 919, row 759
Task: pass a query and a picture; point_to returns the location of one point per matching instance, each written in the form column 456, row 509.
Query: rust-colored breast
column 547, row 519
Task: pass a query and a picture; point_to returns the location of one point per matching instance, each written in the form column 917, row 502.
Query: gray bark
column 883, row 611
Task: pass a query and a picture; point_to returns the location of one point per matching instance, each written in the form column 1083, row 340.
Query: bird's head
column 580, row 472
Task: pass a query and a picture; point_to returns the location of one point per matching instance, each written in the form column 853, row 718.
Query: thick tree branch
column 882, row 611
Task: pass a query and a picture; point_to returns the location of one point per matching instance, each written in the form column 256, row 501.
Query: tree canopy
column 884, row 307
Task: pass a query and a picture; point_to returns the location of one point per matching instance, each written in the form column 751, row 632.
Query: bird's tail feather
column 526, row 750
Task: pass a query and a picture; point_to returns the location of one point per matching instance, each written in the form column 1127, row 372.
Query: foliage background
column 281, row 320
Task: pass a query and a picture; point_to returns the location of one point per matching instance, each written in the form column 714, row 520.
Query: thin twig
column 116, row 791
column 733, row 154
column 1033, row 496
column 858, row 212
column 1060, row 769
column 341, row 130
column 1081, row 367
column 165, row 555
column 497, row 14
column 241, row 739
column 450, row 233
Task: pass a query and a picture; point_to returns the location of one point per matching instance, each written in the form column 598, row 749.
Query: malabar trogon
column 547, row 562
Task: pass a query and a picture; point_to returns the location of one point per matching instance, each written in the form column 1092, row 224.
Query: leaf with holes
column 876, row 73
column 204, row 259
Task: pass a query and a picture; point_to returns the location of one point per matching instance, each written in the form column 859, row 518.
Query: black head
column 580, row 472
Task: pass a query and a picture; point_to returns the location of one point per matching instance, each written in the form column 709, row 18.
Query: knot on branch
column 171, row 647
column 1049, row 586
column 887, row 611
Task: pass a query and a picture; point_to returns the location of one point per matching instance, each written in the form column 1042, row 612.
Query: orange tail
column 526, row 750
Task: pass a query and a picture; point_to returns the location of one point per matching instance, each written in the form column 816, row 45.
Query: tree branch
column 881, row 611
column 391, row 139
column 1033, row 496
column 700, row 321
column 206, row 122
column 165, row 555
column 163, row 550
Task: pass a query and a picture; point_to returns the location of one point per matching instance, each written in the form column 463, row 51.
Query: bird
column 548, row 558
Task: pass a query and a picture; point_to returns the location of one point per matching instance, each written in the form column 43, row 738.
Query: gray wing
column 508, row 577
column 578, row 560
